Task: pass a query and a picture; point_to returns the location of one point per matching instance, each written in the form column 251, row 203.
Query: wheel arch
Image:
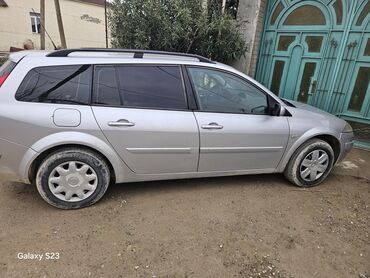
column 32, row 171
column 332, row 140
column 54, row 142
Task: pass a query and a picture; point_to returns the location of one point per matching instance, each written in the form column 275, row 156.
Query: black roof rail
column 138, row 53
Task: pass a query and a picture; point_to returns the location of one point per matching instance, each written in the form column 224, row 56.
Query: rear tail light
column 3, row 78
column 5, row 70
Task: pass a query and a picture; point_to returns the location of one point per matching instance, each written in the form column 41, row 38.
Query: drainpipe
column 42, row 19
column 106, row 24
column 60, row 24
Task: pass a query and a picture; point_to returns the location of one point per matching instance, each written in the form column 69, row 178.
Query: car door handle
column 212, row 126
column 121, row 122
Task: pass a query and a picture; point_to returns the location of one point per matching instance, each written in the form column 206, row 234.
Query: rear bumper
column 346, row 141
column 12, row 161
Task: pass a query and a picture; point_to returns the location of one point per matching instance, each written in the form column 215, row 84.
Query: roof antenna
column 42, row 25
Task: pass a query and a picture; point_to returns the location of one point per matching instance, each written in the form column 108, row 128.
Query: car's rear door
column 143, row 112
column 237, row 131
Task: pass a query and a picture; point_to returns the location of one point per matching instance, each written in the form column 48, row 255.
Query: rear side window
column 57, row 84
column 158, row 87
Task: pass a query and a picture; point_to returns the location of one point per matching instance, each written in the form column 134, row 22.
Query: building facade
column 312, row 51
column 83, row 21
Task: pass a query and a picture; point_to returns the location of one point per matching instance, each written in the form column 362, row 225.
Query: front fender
column 296, row 140
column 72, row 138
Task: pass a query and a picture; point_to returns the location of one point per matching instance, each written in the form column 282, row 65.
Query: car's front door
column 237, row 131
column 142, row 110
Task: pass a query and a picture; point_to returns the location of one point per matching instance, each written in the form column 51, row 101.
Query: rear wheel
column 72, row 178
column 310, row 164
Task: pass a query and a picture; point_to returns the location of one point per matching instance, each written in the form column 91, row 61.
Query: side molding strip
column 159, row 150
column 240, row 149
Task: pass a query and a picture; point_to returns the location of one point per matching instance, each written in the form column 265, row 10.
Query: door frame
column 286, row 56
column 366, row 103
column 304, row 61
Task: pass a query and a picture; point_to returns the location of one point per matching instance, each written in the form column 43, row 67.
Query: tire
column 72, row 178
column 310, row 164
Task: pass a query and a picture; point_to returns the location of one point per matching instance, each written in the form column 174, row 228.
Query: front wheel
column 72, row 178
column 310, row 164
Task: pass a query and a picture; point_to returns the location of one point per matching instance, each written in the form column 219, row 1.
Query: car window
column 218, row 91
column 159, row 87
column 106, row 86
column 57, row 84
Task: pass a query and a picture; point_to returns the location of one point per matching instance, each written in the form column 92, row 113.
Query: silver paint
column 145, row 144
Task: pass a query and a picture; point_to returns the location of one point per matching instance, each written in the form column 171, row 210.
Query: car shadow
column 27, row 195
column 135, row 188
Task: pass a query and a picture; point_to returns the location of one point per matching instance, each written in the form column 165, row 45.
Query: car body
column 200, row 132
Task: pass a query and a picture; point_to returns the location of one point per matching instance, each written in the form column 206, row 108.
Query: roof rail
column 138, row 53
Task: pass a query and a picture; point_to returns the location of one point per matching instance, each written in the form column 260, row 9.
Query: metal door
column 237, row 132
column 317, row 51
column 299, row 54
column 152, row 141
column 245, row 142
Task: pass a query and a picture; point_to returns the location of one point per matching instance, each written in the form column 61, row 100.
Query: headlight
column 347, row 128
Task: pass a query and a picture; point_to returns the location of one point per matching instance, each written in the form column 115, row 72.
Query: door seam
column 196, row 120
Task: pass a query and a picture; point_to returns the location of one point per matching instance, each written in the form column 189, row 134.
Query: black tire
column 81, row 156
column 295, row 166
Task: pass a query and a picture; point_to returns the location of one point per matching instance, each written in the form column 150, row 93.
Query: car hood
column 308, row 107
column 321, row 116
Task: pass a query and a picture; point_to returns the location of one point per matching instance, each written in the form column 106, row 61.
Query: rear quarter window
column 57, row 84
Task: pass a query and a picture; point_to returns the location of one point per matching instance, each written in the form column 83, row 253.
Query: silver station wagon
column 74, row 121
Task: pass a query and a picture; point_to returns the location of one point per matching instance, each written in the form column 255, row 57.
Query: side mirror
column 275, row 111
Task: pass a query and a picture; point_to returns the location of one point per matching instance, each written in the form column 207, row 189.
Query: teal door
column 318, row 52
column 359, row 98
column 357, row 102
column 300, row 54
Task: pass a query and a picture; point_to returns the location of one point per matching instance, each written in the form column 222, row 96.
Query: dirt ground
column 248, row 226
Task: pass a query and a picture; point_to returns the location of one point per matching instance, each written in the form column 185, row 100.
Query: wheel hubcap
column 314, row 165
column 73, row 181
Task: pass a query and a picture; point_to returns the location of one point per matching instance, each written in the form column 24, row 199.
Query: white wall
column 15, row 24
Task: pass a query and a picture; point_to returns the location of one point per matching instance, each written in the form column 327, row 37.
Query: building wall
column 257, row 37
column 83, row 24
column 250, row 18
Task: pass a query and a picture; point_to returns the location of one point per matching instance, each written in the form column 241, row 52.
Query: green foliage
column 175, row 25
column 3, row 60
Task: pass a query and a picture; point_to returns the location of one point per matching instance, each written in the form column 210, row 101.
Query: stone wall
column 250, row 20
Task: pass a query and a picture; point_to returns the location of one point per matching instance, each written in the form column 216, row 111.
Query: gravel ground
column 248, row 226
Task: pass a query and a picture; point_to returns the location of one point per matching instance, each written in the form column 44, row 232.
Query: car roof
column 45, row 58
column 95, row 53
column 38, row 58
